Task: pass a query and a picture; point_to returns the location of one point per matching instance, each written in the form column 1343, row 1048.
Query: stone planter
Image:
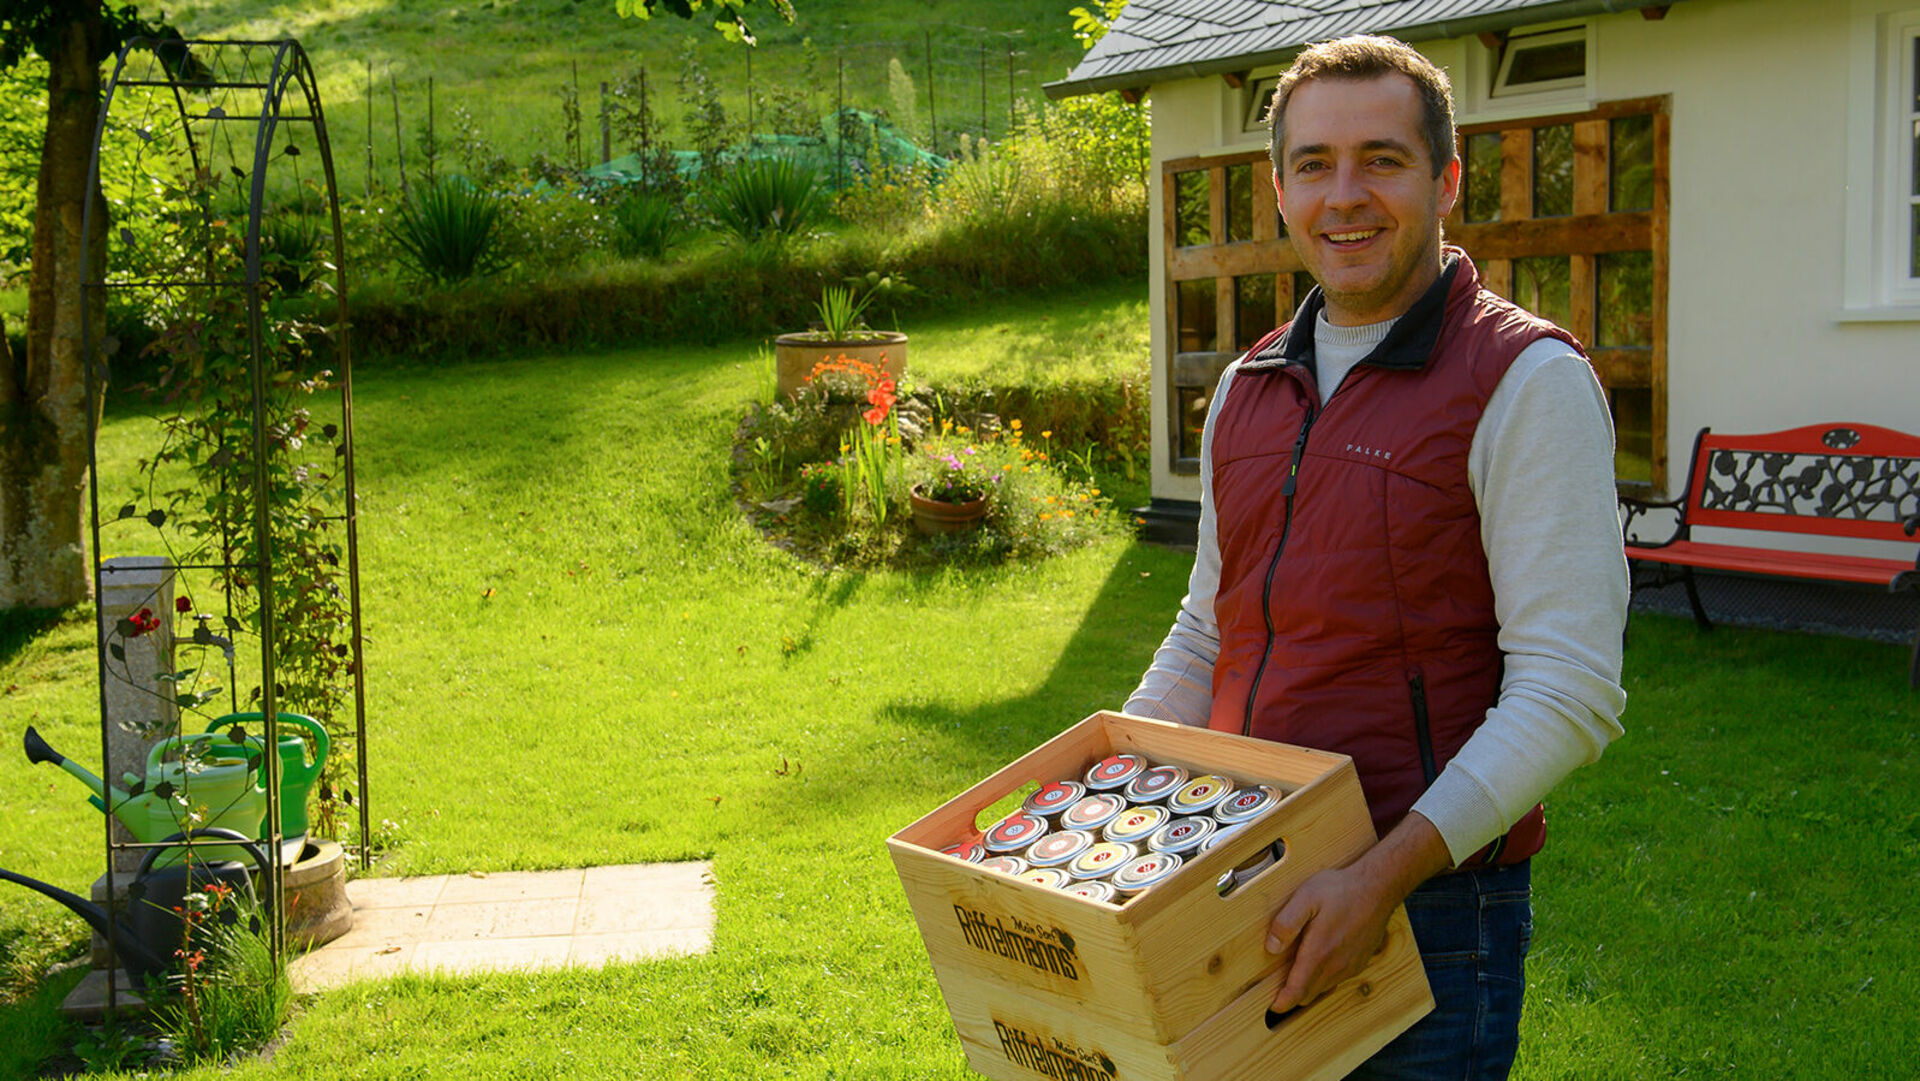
column 932, row 516
column 796, row 354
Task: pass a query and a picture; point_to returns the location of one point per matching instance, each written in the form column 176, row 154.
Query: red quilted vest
column 1356, row 614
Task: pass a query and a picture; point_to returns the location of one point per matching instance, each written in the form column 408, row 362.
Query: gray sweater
column 1541, row 471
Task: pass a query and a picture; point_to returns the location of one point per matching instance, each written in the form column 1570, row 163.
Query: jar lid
column 1200, row 794
column 1155, row 784
column 1182, row 835
column 1093, row 889
column 1050, row 877
column 971, row 851
column 1135, row 824
column 1053, row 798
column 1006, row 865
column 1148, row 870
column 1057, row 848
column 1015, row 832
column 1101, row 860
column 1115, row 771
column 1245, row 804
column 1221, row 836
column 1092, row 811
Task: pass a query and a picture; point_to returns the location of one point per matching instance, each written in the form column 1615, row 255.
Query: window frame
column 1901, row 129
column 1877, row 279
column 1593, row 231
column 1517, row 43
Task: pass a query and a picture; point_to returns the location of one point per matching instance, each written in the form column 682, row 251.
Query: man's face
column 1359, row 197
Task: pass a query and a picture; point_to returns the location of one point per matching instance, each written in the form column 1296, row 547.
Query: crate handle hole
column 1252, row 868
column 1275, row 1020
column 991, row 815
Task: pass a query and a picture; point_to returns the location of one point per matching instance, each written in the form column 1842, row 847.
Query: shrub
column 766, row 197
column 449, row 232
column 644, row 225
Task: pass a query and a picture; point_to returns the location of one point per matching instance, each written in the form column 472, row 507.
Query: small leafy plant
column 840, row 312
column 645, row 225
column 958, row 476
column 450, row 232
column 767, row 198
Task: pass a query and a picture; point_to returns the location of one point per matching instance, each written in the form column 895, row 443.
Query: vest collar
column 1409, row 346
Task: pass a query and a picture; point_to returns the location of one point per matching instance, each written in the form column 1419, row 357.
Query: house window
column 1259, row 96
column 1231, row 277
column 1883, row 170
column 1910, row 134
column 1567, row 217
column 1553, row 60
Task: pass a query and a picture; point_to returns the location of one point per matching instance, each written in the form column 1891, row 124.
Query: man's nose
column 1349, row 188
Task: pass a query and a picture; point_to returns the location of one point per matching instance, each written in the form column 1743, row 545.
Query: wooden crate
column 1174, row 983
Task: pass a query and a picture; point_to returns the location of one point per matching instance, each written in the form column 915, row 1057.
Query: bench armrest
column 1632, row 510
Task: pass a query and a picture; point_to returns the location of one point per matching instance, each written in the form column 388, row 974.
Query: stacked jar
column 1121, row 829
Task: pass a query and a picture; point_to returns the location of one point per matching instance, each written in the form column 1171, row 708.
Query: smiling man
column 1409, row 553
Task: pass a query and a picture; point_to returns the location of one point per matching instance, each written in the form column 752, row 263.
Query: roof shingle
column 1154, row 40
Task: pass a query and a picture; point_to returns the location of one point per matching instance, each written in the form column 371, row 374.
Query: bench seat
column 1824, row 480
column 1865, row 570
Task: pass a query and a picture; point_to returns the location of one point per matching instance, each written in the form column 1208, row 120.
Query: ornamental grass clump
column 767, row 198
column 644, row 225
column 450, row 232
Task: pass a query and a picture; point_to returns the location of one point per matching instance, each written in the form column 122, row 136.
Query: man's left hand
column 1336, row 921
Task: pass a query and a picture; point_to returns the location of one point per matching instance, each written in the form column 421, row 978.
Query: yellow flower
column 1046, row 433
column 1016, row 424
column 1006, row 469
column 1045, row 517
column 964, row 430
column 845, row 448
column 1066, row 514
column 946, row 425
column 1096, row 493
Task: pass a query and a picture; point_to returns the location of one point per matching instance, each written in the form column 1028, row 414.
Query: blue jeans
column 1473, row 929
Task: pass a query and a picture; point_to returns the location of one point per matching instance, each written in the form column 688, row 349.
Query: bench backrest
column 1839, row 480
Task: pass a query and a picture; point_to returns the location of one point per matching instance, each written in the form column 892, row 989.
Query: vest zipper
column 1418, row 687
column 1266, row 591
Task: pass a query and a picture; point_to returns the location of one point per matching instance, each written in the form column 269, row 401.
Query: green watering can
column 296, row 774
column 228, row 792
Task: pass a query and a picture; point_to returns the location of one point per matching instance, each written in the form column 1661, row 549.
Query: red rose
column 182, row 605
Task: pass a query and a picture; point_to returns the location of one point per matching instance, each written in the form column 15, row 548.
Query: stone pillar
column 135, row 701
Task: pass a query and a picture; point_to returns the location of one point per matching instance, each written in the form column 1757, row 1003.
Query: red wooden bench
column 1826, row 480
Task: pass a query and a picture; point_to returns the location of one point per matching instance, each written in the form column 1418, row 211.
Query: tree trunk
column 43, row 394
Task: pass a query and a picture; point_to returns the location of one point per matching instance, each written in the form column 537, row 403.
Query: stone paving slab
column 512, row 920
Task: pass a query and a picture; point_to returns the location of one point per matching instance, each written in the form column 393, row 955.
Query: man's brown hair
column 1368, row 56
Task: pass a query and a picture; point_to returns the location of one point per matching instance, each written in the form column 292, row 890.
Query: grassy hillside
column 507, row 63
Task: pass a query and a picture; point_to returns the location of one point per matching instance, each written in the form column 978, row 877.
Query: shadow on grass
column 1101, row 663
column 19, row 627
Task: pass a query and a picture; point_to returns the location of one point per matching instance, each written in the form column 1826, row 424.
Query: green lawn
column 1725, row 893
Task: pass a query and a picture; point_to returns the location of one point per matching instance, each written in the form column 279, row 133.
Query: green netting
column 851, row 144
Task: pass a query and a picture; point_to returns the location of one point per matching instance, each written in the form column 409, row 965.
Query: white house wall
column 1762, row 333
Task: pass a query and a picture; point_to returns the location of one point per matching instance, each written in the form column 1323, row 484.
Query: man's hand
column 1336, row 921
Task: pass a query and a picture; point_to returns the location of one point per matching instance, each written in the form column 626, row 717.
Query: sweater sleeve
column 1178, row 685
column 1541, row 469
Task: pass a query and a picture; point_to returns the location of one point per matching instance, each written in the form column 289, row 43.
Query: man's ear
column 1449, row 186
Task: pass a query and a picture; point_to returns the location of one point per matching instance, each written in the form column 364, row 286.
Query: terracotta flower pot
column 933, row 516
column 795, row 355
